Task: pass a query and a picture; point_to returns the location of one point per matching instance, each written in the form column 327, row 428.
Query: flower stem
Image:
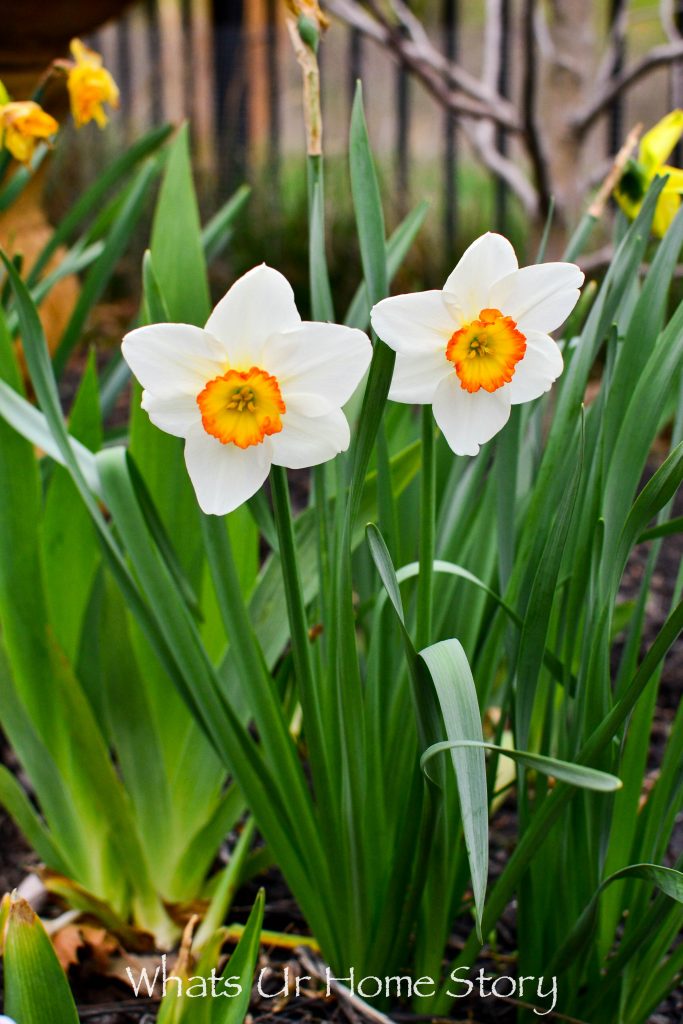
column 425, row 583
column 298, row 624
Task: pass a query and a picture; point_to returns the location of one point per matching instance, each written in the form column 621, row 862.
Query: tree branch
column 529, row 99
column 448, row 82
column 477, row 111
column 667, row 53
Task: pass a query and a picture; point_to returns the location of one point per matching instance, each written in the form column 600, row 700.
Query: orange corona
column 485, row 351
column 242, row 408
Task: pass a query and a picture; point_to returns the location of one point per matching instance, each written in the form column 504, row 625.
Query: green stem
column 425, row 581
column 298, row 625
column 229, row 881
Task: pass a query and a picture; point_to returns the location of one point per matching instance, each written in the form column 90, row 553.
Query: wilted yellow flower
column 655, row 148
column 90, row 86
column 22, row 123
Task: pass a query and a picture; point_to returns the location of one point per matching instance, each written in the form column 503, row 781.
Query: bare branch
column 658, row 56
column 508, row 170
column 668, row 20
column 311, row 80
column 529, row 101
column 446, row 82
column 454, row 88
column 609, row 65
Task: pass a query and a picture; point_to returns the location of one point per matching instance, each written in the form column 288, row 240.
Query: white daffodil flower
column 256, row 386
column 482, row 344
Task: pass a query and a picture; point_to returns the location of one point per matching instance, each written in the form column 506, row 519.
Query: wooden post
column 172, row 58
column 258, row 116
column 203, row 94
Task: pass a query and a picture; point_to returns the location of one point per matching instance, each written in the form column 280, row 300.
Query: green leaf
column 21, row 810
column 242, row 965
column 367, row 204
column 322, row 305
column 452, row 677
column 218, row 232
column 575, row 774
column 33, row 426
column 537, row 614
column 104, row 267
column 668, row 880
column 92, row 198
column 36, row 989
column 397, row 248
column 177, row 239
column 67, row 533
column 643, row 328
column 156, row 310
column 22, row 177
column 410, row 571
column 666, row 529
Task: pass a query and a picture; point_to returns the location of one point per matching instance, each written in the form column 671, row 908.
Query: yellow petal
column 25, row 121
column 89, row 87
column 20, row 146
column 83, row 55
column 667, row 207
column 675, row 178
column 657, row 144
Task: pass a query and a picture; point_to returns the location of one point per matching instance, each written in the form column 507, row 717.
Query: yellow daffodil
column 22, row 124
column 655, row 148
column 482, row 343
column 256, row 387
column 90, row 86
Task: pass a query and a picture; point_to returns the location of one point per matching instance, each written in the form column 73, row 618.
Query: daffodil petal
column 324, row 360
column 469, row 420
column 176, row 414
column 259, row 304
column 173, row 358
column 538, row 298
column 658, row 143
column 534, row 374
column 223, row 475
column 420, row 322
column 487, row 259
column 674, row 178
column 666, row 209
column 417, row 375
column 308, row 441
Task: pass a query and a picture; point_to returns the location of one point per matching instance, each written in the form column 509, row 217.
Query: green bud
column 308, row 30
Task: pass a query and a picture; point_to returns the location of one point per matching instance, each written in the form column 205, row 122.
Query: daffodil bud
column 308, row 30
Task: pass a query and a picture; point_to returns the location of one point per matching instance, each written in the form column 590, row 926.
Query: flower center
column 486, row 351
column 242, row 407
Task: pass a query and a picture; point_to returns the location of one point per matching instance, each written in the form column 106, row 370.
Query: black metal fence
column 228, row 67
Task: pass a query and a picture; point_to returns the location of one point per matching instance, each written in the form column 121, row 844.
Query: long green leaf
column 452, row 677
column 574, row 774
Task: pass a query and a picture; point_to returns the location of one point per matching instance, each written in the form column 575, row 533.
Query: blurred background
column 228, row 67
